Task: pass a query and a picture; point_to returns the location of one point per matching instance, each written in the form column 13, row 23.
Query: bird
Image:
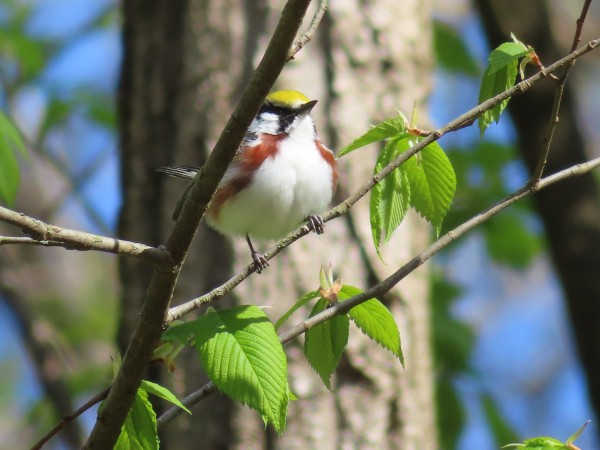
column 281, row 176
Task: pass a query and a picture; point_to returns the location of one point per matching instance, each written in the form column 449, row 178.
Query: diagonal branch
column 384, row 286
column 558, row 95
column 467, row 118
column 160, row 290
column 46, row 234
column 310, row 31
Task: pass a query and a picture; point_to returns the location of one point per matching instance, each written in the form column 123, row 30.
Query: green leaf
column 432, row 183
column 241, row 353
column 576, row 435
column 324, row 343
column 299, row 304
column 450, row 412
column 139, row 430
column 501, row 430
column 451, row 52
column 162, row 392
column 453, row 340
column 29, row 54
column 393, row 127
column 510, row 242
column 395, row 197
column 375, row 217
column 10, row 143
column 375, row 321
column 390, row 197
column 500, row 75
column 541, row 443
column 182, row 332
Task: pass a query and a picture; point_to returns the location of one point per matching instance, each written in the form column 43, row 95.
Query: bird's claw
column 316, row 223
column 260, row 262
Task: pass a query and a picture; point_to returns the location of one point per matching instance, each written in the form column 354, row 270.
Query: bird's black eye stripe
column 270, row 108
column 286, row 115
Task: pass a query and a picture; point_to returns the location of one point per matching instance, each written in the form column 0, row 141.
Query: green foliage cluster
column 426, row 181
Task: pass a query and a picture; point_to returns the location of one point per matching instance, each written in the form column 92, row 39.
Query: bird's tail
column 184, row 172
column 179, row 172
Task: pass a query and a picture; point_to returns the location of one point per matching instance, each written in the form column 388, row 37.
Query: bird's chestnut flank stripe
column 248, row 162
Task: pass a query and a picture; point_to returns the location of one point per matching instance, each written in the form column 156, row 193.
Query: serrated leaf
column 299, row 304
column 395, row 197
column 500, row 75
column 324, row 343
column 387, row 129
column 241, row 353
column 375, row 321
column 162, row 392
column 139, row 429
column 375, row 217
column 11, row 142
column 432, row 183
column 451, row 52
column 390, row 197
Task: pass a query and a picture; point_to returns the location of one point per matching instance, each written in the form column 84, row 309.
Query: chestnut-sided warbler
column 281, row 176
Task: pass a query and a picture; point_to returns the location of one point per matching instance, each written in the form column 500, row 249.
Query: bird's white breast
column 283, row 192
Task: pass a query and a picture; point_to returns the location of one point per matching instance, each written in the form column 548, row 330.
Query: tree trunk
column 570, row 212
column 184, row 64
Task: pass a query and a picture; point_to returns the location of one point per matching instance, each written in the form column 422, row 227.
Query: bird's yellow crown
column 287, row 99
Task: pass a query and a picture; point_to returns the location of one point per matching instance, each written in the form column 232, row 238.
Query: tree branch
column 192, row 399
column 152, row 316
column 467, row 118
column 384, row 286
column 67, row 419
column 54, row 236
column 310, row 31
column 558, row 95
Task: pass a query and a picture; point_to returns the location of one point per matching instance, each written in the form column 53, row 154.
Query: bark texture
column 184, row 65
column 570, row 212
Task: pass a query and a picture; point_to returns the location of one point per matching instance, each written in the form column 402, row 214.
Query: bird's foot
column 316, row 223
column 260, row 262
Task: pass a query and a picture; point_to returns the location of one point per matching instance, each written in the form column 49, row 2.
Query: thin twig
column 51, row 235
column 558, row 95
column 310, row 31
column 71, row 417
column 12, row 240
column 580, row 21
column 341, row 209
column 386, row 285
column 192, row 399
